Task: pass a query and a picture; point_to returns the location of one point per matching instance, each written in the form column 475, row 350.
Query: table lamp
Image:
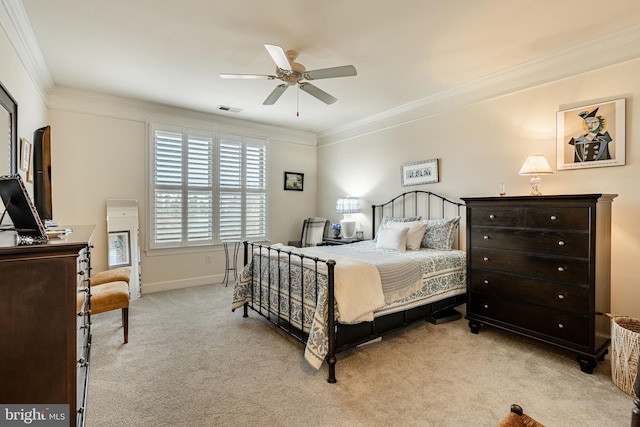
column 348, row 206
column 535, row 166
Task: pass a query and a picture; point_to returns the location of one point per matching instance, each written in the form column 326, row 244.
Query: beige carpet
column 190, row 361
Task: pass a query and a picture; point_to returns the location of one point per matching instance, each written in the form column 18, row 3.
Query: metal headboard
column 421, row 203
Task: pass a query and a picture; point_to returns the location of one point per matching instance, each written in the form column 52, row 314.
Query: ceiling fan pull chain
column 298, row 101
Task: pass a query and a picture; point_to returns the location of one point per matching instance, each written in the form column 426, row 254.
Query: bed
column 332, row 298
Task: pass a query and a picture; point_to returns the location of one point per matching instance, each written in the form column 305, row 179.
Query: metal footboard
column 276, row 313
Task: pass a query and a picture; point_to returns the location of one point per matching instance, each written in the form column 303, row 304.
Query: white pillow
column 393, row 238
column 415, row 234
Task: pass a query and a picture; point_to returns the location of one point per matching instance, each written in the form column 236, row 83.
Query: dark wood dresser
column 540, row 266
column 45, row 333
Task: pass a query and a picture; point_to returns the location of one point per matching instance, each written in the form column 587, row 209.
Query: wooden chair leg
column 125, row 323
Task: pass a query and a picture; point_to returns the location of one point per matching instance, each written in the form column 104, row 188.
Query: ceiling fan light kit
column 293, row 73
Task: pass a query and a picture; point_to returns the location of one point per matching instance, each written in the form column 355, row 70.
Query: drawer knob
column 492, row 217
column 560, row 325
column 485, row 237
column 486, row 258
column 485, row 281
column 560, row 296
column 560, row 269
column 561, row 243
column 554, row 218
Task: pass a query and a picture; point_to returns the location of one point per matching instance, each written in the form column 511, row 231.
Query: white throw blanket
column 357, row 286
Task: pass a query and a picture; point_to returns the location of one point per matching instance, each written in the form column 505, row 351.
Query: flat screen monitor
column 21, row 210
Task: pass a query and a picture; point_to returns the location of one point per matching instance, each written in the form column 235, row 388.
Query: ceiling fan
column 292, row 73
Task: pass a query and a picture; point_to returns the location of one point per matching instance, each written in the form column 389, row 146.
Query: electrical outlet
column 207, row 258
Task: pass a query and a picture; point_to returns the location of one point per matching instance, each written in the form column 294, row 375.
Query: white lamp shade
column 347, row 205
column 535, row 165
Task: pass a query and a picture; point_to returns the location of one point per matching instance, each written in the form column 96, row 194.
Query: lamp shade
column 535, row 165
column 347, row 205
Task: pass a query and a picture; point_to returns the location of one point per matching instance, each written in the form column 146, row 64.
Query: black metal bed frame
column 343, row 336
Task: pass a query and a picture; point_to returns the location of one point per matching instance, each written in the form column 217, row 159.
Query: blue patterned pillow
column 440, row 233
column 386, row 219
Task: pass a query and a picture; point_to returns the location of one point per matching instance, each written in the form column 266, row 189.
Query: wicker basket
column 625, row 350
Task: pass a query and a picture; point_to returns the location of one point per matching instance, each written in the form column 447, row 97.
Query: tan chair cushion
column 114, row 275
column 109, row 296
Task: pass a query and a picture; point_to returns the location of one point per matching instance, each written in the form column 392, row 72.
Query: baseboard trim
column 149, row 288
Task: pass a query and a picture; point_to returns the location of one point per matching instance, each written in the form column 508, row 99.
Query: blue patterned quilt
column 301, row 303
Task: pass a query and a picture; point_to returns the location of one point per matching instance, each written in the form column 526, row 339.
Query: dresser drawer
column 558, row 296
column 561, row 269
column 572, row 218
column 553, row 325
column 496, row 217
column 556, row 242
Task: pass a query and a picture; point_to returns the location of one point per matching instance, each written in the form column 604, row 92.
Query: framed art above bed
column 423, row 172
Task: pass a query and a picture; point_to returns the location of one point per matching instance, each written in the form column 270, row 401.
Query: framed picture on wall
column 591, row 136
column 25, row 154
column 423, row 172
column 119, row 249
column 294, row 181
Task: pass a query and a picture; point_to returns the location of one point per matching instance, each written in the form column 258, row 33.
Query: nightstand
column 327, row 241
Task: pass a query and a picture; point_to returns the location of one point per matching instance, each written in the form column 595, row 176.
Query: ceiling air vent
column 229, row 109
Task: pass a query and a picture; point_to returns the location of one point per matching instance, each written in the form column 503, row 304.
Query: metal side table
column 230, row 265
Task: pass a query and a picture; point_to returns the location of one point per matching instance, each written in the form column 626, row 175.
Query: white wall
column 99, row 151
column 483, row 144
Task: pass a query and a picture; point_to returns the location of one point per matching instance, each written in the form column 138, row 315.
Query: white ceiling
column 172, row 51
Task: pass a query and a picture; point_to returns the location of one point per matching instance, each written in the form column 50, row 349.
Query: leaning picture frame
column 294, row 181
column 591, row 136
column 423, row 172
column 119, row 249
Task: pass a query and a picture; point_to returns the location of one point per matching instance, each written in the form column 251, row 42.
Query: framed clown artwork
column 591, row 136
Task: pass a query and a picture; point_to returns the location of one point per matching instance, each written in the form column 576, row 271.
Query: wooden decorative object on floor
column 516, row 418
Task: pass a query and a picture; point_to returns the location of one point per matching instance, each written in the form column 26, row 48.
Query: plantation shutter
column 167, row 183
column 242, row 188
column 206, row 189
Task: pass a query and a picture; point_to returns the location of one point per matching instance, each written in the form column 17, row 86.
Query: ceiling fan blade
column 246, row 76
column 328, row 73
column 278, row 56
column 318, row 93
column 275, row 94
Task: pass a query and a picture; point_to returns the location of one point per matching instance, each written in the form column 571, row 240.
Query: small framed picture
column 119, row 249
column 25, row 154
column 294, row 181
column 360, row 235
column 423, row 172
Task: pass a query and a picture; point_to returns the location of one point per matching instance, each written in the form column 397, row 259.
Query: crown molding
column 14, row 21
column 609, row 50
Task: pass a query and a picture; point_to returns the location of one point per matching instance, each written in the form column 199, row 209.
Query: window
column 206, row 188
